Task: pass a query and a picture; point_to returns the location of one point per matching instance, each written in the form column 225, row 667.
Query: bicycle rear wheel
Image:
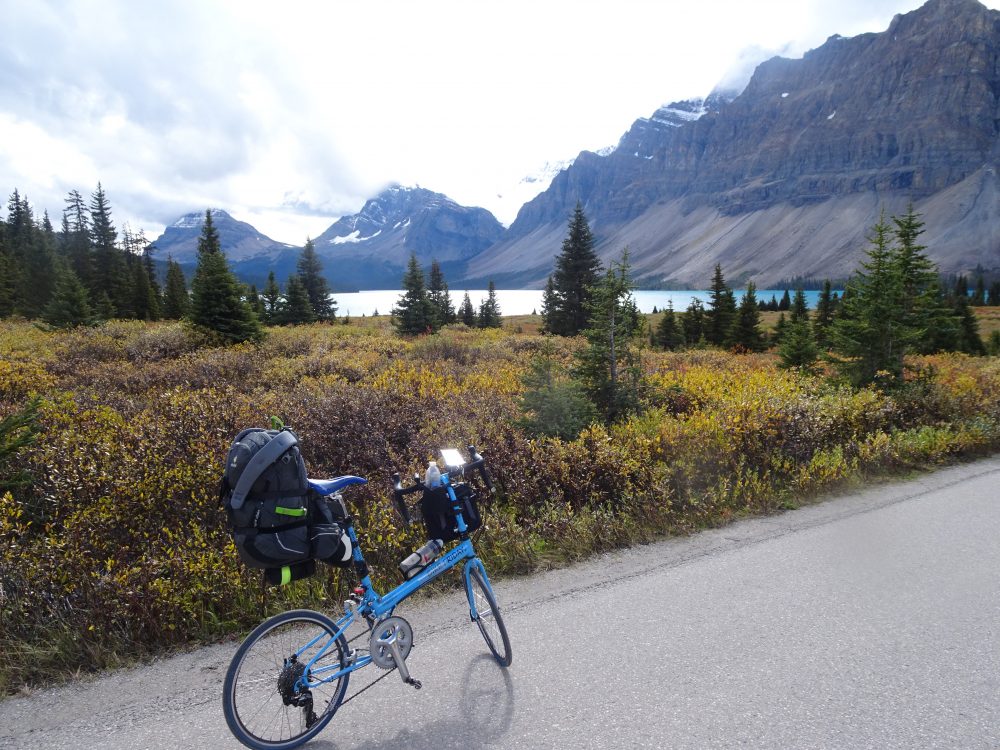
column 263, row 705
column 488, row 618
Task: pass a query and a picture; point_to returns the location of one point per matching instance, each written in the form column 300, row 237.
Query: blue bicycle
column 290, row 675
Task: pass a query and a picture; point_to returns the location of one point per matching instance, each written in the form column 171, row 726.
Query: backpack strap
column 259, row 463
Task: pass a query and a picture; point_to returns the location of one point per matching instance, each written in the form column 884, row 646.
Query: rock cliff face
column 784, row 179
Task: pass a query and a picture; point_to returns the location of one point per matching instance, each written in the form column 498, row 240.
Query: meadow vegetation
column 113, row 544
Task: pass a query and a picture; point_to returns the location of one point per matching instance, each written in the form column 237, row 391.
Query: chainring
column 385, row 632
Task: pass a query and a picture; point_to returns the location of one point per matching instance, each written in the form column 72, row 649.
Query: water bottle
column 433, row 476
column 421, row 558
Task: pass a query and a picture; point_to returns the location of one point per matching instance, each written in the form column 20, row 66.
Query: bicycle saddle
column 329, row 486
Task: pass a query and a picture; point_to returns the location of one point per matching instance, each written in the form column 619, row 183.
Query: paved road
column 867, row 621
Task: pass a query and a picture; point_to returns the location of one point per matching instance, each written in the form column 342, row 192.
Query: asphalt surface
column 870, row 620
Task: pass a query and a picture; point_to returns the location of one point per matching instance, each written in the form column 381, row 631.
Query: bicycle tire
column 252, row 682
column 490, row 623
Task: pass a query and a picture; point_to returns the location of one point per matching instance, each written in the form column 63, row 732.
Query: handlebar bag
column 439, row 511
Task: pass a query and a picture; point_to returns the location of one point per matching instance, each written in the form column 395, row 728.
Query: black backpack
column 275, row 518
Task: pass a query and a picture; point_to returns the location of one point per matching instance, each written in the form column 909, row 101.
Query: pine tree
column 444, row 310
column 979, row 296
column 799, row 310
column 746, row 331
column 576, row 271
column 871, row 332
column 797, row 349
column 8, row 296
column 786, row 302
column 69, row 306
column 216, row 303
column 489, row 310
column 968, row 339
column 317, row 290
column 76, row 238
column 176, row 302
column 414, row 313
column 549, row 303
column 824, row 316
column 693, row 323
column 111, row 274
column 993, row 299
column 271, row 298
column 668, row 333
column 721, row 310
column 553, row 405
column 608, row 368
column 296, row 308
column 467, row 313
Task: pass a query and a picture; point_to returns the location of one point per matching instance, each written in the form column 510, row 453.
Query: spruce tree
column 824, row 316
column 310, row 273
column 549, row 304
column 76, row 238
column 489, row 310
column 69, row 306
column 668, row 333
column 467, row 313
column 967, row 325
column 721, row 310
column 271, row 298
column 797, row 348
column 993, row 300
column 8, row 296
column 444, row 310
column 608, row 368
column 979, row 296
column 414, row 313
column 111, row 273
column 786, row 302
column 871, row 332
column 176, row 302
column 799, row 310
column 216, row 303
column 693, row 323
column 296, row 308
column 746, row 331
column 576, row 271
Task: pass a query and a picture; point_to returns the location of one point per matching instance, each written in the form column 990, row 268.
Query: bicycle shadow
column 483, row 715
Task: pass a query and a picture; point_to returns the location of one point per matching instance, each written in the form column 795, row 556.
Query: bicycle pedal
column 416, row 683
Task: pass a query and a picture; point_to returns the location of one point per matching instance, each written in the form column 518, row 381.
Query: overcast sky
column 291, row 114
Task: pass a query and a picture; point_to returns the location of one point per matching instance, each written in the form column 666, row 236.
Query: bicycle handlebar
column 478, row 463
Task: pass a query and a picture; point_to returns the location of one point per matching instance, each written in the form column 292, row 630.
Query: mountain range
column 780, row 180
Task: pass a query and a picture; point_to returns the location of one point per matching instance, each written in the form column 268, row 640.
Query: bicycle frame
column 373, row 606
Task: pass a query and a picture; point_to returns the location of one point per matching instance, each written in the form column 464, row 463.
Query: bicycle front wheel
column 487, row 617
column 264, row 701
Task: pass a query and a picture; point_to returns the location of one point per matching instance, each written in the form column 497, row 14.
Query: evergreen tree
column 296, row 308
column 993, row 299
column 968, row 339
column 271, row 298
column 797, row 347
column 69, row 306
column 786, row 302
column 799, row 310
column 721, row 310
column 317, row 290
column 746, row 331
column 608, row 368
column 111, row 274
column 467, row 313
column 773, row 304
column 8, row 291
column 871, row 332
column 576, row 271
column 255, row 302
column 979, row 296
column 216, row 303
column 549, row 303
column 414, row 313
column 961, row 287
column 489, row 309
column 145, row 304
column 76, row 238
column 553, row 405
column 824, row 316
column 693, row 323
column 668, row 333
column 176, row 302
column 444, row 310
column 779, row 328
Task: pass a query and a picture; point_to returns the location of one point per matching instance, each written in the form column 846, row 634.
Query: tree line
column 86, row 272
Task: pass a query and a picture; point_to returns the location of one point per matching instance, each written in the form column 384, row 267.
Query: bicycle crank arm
column 397, row 656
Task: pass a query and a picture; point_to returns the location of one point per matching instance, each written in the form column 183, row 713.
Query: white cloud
column 290, row 116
